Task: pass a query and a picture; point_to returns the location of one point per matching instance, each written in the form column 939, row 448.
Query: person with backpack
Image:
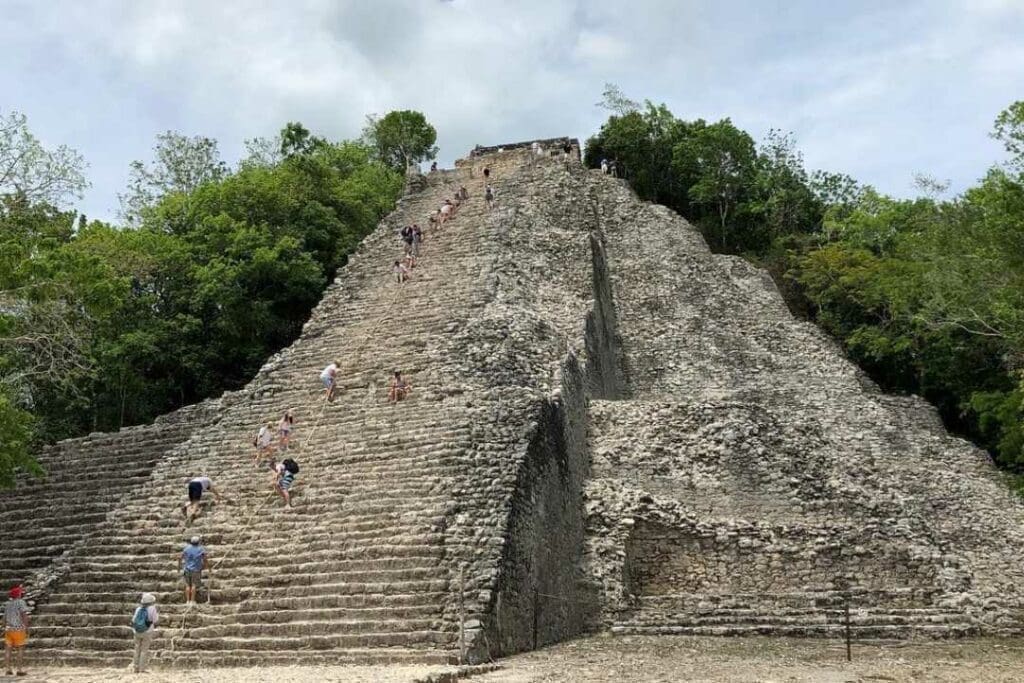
column 286, row 472
column 144, row 620
column 191, row 564
column 16, row 622
column 417, row 239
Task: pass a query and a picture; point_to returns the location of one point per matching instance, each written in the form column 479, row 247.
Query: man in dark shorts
column 196, row 488
column 191, row 564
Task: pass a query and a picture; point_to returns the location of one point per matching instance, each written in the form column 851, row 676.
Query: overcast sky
column 878, row 90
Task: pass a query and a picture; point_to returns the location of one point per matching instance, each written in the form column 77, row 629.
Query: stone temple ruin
column 612, row 428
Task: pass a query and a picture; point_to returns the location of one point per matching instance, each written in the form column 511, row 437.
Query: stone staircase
column 44, row 519
column 356, row 571
column 583, row 370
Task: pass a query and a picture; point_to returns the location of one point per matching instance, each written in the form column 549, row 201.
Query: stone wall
column 604, row 373
column 539, row 599
column 665, row 560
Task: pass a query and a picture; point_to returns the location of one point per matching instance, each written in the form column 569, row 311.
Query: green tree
column 181, row 165
column 401, row 138
column 34, row 173
column 722, row 158
column 1009, row 129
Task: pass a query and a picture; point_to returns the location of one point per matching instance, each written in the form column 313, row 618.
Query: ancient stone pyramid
column 610, row 427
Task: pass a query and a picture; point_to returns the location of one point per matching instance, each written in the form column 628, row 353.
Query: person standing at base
column 191, row 564
column 16, row 622
column 144, row 620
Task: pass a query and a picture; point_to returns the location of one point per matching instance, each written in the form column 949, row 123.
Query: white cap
column 148, row 599
column 194, row 540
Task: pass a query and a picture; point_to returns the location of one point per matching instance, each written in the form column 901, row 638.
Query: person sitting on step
column 399, row 388
column 197, row 486
column 401, row 272
column 410, row 262
column 447, row 210
column 329, row 377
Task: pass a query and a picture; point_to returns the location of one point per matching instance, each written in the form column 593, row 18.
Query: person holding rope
column 262, row 442
column 191, row 564
column 329, row 376
column 286, row 472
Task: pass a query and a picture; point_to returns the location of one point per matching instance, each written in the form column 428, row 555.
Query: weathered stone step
column 311, row 559
column 170, row 603
column 276, row 643
column 241, row 657
column 898, row 632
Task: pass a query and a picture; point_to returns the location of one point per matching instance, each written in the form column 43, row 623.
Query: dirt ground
column 606, row 659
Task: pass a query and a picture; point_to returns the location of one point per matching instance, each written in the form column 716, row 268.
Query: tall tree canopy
column 102, row 326
column 401, row 138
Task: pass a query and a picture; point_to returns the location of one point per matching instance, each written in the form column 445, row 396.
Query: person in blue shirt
column 191, row 564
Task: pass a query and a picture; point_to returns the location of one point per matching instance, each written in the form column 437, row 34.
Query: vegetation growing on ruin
column 926, row 294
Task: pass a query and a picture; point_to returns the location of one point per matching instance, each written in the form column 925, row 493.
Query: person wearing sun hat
column 16, row 622
column 144, row 620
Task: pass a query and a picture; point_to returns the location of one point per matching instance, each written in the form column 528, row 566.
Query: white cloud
column 877, row 92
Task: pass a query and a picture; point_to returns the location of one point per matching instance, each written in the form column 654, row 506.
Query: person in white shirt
column 263, row 440
column 329, row 376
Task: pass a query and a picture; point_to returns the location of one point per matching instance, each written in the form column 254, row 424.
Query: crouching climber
column 286, row 472
column 196, row 488
column 144, row 620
